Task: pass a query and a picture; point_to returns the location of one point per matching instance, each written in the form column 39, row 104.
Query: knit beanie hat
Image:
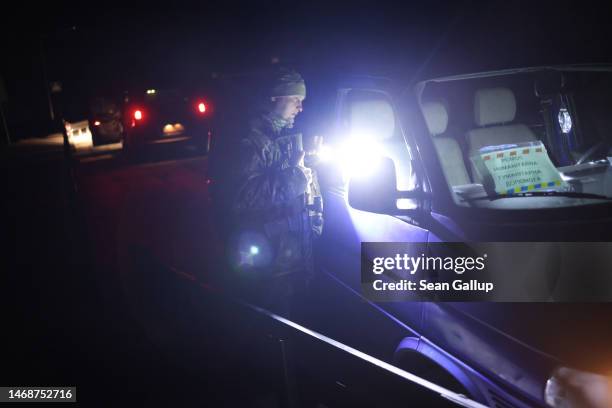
column 287, row 82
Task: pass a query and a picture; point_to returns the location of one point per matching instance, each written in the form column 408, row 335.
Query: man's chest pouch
column 289, row 145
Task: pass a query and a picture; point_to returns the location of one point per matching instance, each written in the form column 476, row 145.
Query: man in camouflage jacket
column 272, row 225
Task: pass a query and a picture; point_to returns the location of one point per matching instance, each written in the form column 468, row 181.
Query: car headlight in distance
column 570, row 388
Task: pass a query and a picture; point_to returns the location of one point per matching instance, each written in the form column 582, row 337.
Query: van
column 432, row 137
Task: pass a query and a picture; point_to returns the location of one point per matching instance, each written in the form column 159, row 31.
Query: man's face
column 288, row 107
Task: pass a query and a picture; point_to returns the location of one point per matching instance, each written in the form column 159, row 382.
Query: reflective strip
column 459, row 399
column 529, row 187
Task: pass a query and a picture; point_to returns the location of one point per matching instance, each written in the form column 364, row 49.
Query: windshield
column 532, row 139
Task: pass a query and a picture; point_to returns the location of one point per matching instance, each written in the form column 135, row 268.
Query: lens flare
column 358, row 156
column 325, row 153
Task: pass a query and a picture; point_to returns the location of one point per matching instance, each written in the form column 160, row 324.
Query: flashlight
column 357, row 156
column 354, row 157
column 325, row 153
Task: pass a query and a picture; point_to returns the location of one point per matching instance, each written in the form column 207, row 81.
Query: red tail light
column 201, row 107
column 138, row 114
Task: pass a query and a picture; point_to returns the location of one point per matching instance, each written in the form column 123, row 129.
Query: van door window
column 369, row 127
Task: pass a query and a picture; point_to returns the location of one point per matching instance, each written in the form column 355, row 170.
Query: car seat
column 448, row 149
column 494, row 110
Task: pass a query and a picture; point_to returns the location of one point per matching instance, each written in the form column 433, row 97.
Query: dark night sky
column 141, row 45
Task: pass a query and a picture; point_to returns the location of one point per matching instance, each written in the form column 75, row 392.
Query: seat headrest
column 436, row 117
column 493, row 106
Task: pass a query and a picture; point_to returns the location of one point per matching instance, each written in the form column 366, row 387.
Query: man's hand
column 312, row 160
column 584, row 389
column 308, row 173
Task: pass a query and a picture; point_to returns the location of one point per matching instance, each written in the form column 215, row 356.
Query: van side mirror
column 377, row 191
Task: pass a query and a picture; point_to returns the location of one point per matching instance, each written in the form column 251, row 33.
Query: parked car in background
column 166, row 115
column 105, row 121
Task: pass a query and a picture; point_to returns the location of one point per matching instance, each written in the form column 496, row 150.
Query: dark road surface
column 84, row 267
column 66, row 316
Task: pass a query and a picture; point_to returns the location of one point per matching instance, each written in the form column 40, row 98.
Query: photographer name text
column 440, row 265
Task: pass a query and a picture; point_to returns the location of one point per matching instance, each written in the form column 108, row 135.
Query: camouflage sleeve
column 265, row 182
